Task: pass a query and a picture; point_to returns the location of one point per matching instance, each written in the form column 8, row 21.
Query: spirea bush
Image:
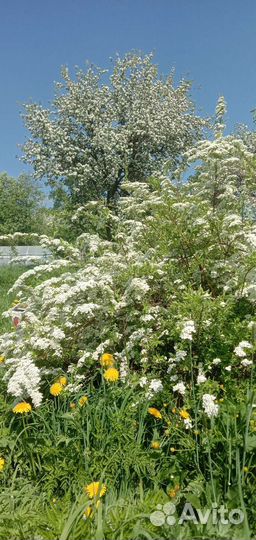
column 170, row 292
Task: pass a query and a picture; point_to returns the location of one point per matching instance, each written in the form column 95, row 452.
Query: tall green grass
column 54, row 451
column 8, row 275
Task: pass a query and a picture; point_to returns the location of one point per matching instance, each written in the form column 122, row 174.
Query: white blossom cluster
column 188, row 330
column 187, row 423
column 201, row 378
column 180, row 388
column 246, row 363
column 155, row 386
column 241, row 348
column 210, row 408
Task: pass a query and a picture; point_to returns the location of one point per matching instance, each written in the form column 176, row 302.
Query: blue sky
column 211, row 42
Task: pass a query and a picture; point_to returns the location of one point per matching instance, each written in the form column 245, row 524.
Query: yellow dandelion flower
column 111, row 375
column 22, row 408
column 155, row 445
column 155, row 412
column 2, row 463
column 83, row 400
column 62, row 380
column 56, row 389
column 95, row 489
column 184, row 414
column 174, row 410
column 2, row 359
column 107, row 360
column 72, row 405
column 87, row 513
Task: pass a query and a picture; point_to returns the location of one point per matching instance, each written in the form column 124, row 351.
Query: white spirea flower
column 57, row 333
column 25, row 380
column 188, row 330
column 228, row 368
column 123, row 369
column 211, row 408
column 245, row 345
column 216, row 361
column 179, row 354
column 187, row 423
column 156, row 385
column 201, row 378
column 147, row 318
column 246, row 363
column 239, row 350
column 74, row 388
column 180, row 388
column 137, row 288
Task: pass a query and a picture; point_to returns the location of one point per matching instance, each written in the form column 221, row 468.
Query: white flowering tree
column 103, row 131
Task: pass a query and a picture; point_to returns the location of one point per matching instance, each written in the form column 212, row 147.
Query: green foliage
column 20, row 201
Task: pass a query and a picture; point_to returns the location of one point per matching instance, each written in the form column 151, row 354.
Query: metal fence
column 25, row 254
